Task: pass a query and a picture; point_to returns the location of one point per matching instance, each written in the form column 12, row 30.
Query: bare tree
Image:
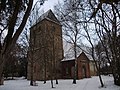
column 107, row 17
column 32, row 59
column 13, row 33
column 69, row 17
column 93, row 53
column 29, row 40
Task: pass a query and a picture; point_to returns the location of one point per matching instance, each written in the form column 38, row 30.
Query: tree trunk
column 31, row 75
column 45, row 73
column 2, row 60
column 52, row 82
column 44, row 65
column 1, row 75
column 56, row 81
column 116, row 74
column 56, row 76
column 52, row 76
column 55, row 67
column 75, row 66
column 52, row 73
column 75, row 72
column 102, row 85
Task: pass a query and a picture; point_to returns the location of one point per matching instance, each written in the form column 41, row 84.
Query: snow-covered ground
column 83, row 84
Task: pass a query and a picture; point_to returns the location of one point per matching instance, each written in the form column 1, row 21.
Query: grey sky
column 49, row 4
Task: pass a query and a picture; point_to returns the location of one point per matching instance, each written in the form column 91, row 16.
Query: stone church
column 45, row 56
column 46, row 47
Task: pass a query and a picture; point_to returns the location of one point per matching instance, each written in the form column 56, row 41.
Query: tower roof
column 49, row 15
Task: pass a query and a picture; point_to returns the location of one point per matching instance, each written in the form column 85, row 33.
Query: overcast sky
column 49, row 4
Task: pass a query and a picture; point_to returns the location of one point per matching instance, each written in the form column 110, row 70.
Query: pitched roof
column 73, row 58
column 49, row 15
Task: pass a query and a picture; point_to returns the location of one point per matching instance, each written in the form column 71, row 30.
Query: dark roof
column 49, row 15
